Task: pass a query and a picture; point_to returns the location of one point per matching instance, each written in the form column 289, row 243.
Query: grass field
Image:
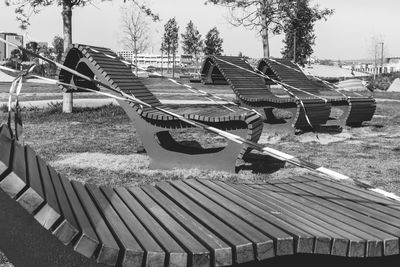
column 100, row 146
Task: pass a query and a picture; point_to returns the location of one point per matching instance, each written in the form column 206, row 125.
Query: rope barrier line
column 269, row 151
column 192, row 89
column 10, row 70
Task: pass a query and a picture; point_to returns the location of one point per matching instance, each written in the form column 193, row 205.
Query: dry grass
column 100, row 146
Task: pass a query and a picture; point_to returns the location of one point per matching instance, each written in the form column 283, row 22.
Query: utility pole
column 375, row 63
column 294, row 46
column 382, row 58
column 295, row 31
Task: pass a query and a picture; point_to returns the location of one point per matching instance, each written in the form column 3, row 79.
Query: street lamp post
column 382, row 58
column 381, row 71
column 375, row 63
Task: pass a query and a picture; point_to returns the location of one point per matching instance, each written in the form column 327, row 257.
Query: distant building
column 391, row 64
column 155, row 60
column 5, row 49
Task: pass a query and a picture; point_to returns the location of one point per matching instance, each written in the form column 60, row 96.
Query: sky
column 351, row 33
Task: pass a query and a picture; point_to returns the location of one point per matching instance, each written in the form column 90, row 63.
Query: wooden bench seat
column 152, row 125
column 47, row 220
column 251, row 92
column 355, row 110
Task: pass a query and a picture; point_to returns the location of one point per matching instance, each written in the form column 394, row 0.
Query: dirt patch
column 324, row 139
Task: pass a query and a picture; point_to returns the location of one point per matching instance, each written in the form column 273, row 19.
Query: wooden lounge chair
column 355, row 109
column 47, row 220
column 251, row 92
column 153, row 126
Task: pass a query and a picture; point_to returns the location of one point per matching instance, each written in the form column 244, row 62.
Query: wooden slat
column 131, row 253
column 304, row 240
column 199, row 255
column 16, row 180
column 368, row 196
column 51, row 212
column 341, row 246
column 33, row 197
column 88, row 241
column 352, row 210
column 69, row 228
column 356, row 203
column 387, row 212
column 154, row 254
column 374, row 237
column 356, row 248
column 6, row 145
column 176, row 254
column 242, row 248
column 284, row 243
column 109, row 249
column 264, row 245
column 221, row 252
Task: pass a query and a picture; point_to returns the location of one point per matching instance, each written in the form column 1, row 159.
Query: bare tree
column 135, row 30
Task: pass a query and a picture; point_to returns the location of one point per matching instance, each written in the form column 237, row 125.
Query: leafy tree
column 299, row 29
column 58, row 45
column 169, row 43
column 191, row 41
column 17, row 56
column 265, row 16
column 34, row 48
column 25, row 8
column 213, row 43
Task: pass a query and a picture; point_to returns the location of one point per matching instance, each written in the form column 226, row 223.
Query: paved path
column 98, row 102
column 386, row 100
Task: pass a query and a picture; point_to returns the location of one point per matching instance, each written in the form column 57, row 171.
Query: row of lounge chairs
column 154, row 127
column 309, row 102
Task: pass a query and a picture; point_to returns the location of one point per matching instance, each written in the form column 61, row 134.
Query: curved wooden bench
column 251, row 92
column 47, row 220
column 355, row 110
column 153, row 126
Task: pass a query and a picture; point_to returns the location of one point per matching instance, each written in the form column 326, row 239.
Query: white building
column 5, row 49
column 390, row 65
column 155, row 60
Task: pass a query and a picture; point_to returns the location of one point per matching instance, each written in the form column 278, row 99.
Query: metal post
column 382, row 58
column 294, row 46
column 375, row 63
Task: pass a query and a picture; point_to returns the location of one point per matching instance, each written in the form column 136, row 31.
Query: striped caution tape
column 264, row 149
column 267, row 150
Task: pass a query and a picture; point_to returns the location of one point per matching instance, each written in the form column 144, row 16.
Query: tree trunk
column 173, row 66
column 264, row 35
column 136, row 53
column 67, row 30
column 294, row 46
